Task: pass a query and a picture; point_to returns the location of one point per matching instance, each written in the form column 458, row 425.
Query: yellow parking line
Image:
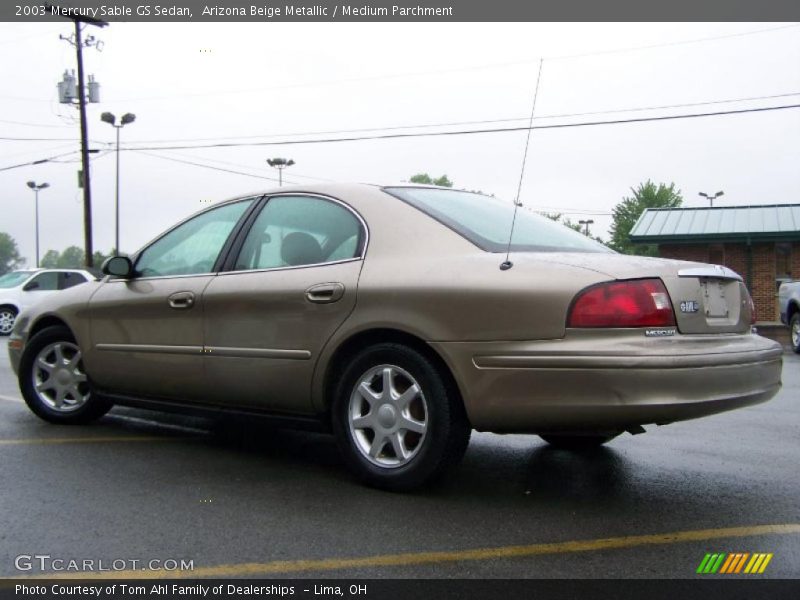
column 90, row 440
column 421, row 558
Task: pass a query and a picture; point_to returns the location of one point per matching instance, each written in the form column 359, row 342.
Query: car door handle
column 180, row 300
column 325, row 293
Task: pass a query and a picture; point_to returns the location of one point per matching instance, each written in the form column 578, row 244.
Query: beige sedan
column 390, row 316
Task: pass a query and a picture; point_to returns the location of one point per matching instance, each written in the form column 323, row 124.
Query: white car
column 21, row 289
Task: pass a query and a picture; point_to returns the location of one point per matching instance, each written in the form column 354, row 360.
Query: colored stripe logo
column 734, row 563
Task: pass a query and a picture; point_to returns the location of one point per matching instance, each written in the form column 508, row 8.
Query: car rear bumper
column 591, row 380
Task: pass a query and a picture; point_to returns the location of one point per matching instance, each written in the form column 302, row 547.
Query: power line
column 196, row 164
column 429, row 134
column 234, row 164
column 323, row 83
column 475, row 122
column 52, row 159
column 467, row 132
column 21, row 139
column 36, row 162
column 40, row 150
column 676, row 43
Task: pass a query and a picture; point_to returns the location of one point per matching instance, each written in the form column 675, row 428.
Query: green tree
column 50, row 259
column 71, row 258
column 9, row 254
column 426, row 179
column 627, row 212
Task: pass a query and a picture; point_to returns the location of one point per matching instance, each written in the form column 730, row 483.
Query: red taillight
column 635, row 303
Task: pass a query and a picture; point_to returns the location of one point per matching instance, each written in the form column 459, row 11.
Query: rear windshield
column 486, row 222
column 13, row 279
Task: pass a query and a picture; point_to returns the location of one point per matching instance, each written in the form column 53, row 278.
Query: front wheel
column 52, row 380
column 398, row 424
column 7, row 318
column 578, row 441
column 794, row 329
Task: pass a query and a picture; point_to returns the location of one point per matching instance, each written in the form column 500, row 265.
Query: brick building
column 761, row 243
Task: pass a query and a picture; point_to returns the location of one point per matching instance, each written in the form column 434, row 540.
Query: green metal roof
column 777, row 222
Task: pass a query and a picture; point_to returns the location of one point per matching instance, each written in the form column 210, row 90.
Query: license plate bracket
column 716, row 306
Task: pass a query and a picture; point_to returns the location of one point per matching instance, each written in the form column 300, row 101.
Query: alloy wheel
column 388, row 416
column 59, row 381
column 7, row 318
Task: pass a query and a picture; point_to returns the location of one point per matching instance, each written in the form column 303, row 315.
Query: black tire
column 8, row 314
column 83, row 412
column 447, row 428
column 794, row 332
column 578, row 441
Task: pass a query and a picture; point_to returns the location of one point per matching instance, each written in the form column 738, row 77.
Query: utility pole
column 87, row 187
column 86, row 178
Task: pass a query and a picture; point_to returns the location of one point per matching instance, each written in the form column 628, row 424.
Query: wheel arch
column 47, row 321
column 362, row 339
column 10, row 305
column 792, row 308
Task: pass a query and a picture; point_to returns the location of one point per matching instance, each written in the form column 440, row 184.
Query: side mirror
column 31, row 285
column 118, row 266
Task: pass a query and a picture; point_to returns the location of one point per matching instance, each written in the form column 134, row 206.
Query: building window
column 716, row 254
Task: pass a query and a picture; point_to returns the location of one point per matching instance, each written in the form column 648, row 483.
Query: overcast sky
column 189, row 81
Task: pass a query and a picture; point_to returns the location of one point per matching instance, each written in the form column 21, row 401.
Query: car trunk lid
column 710, row 299
column 705, row 298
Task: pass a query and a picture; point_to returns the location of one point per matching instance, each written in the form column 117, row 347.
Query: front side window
column 296, row 231
column 486, row 222
column 44, row 282
column 191, row 248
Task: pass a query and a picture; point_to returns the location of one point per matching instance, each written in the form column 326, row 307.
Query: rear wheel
column 396, row 420
column 794, row 329
column 578, row 441
column 8, row 315
column 52, row 380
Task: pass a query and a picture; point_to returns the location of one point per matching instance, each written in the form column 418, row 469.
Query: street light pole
column 111, row 119
column 86, row 176
column 586, row 224
column 36, row 187
column 280, row 164
column 711, row 198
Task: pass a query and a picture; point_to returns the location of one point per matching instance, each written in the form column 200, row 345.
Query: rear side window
column 294, row 231
column 486, row 222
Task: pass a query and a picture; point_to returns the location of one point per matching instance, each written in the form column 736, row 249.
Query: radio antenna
column 507, row 264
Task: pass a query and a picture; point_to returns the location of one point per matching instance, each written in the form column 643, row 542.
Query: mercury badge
column 690, row 306
column 660, row 332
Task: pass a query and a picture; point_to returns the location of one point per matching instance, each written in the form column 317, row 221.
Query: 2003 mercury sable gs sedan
column 383, row 314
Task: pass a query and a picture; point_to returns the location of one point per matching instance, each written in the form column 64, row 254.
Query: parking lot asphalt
column 247, row 501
